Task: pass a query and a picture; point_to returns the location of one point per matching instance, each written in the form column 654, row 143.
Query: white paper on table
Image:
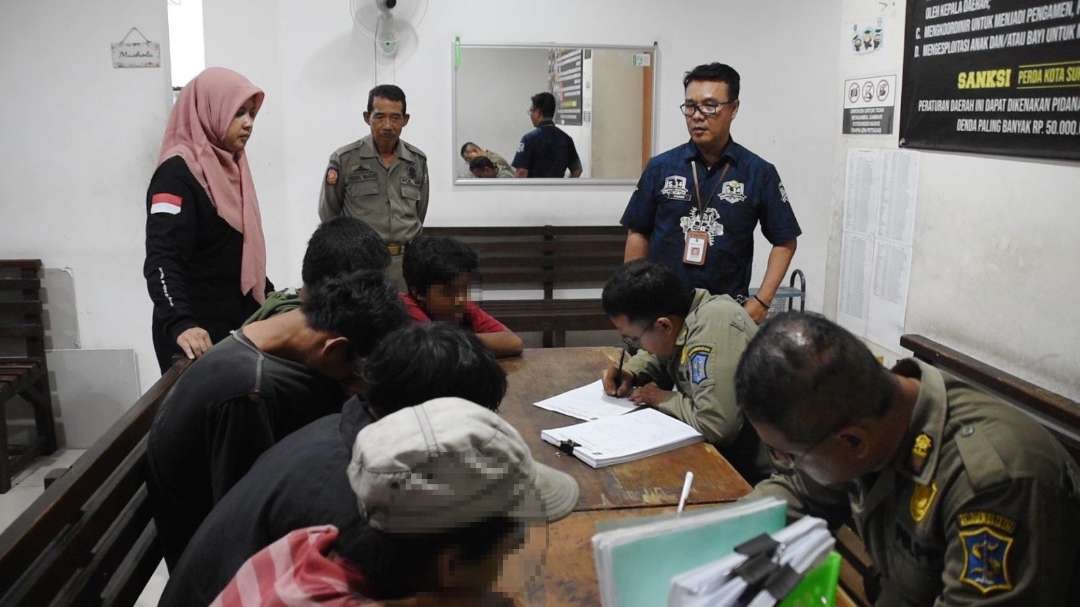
column 588, row 402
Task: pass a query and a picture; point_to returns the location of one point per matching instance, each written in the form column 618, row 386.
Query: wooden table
column 643, row 487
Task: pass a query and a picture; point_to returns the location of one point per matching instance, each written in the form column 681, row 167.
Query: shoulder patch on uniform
column 981, row 518
column 986, row 559
column 521, row 146
column 922, row 497
column 783, row 194
column 331, row 176
column 699, row 360
column 163, row 202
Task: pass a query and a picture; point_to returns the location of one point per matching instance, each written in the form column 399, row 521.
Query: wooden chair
column 90, row 538
column 24, row 374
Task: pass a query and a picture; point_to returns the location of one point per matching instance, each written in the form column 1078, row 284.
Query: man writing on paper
column 690, row 343
column 696, row 205
column 959, row 498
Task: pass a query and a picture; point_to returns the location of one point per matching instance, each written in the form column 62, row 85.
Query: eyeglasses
column 706, row 109
column 632, row 343
column 791, row 461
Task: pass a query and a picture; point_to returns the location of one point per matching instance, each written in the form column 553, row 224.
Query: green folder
column 635, row 564
column 818, row 588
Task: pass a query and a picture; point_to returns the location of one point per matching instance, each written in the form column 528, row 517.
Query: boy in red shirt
column 438, row 271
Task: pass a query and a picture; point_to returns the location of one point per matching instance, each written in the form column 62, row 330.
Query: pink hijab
column 196, row 132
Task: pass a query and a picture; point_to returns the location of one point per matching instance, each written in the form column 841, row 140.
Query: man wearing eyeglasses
column 696, row 206
column 380, row 178
column 685, row 344
column 959, row 498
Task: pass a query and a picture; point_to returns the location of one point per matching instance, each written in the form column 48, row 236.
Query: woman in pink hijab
column 205, row 254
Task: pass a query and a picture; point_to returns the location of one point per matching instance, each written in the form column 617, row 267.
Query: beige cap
column 448, row 463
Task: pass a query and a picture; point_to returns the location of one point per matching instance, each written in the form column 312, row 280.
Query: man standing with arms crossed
column 380, row 179
column 696, row 205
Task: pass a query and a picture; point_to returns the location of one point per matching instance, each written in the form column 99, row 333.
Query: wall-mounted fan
column 391, row 23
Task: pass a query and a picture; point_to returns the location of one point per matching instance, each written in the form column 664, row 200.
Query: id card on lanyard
column 696, row 247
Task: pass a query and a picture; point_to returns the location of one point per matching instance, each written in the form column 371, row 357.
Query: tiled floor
column 30, row 483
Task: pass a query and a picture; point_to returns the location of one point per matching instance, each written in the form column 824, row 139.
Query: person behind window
column 545, row 151
column 438, row 273
column 205, row 263
column 470, row 151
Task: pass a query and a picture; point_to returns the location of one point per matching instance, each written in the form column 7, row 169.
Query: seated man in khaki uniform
column 690, row 344
column 959, row 498
column 380, row 178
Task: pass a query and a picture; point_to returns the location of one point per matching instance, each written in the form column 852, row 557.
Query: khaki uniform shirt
column 981, row 506
column 392, row 201
column 504, row 168
column 702, row 371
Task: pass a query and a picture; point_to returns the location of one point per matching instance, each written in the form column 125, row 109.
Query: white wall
column 493, row 90
column 78, row 146
column 995, row 269
column 317, row 74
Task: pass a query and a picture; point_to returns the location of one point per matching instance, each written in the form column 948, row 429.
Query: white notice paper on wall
column 876, row 245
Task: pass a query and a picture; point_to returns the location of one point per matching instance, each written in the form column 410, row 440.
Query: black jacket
column 193, row 258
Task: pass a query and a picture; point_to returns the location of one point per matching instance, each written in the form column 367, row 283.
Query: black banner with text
column 992, row 76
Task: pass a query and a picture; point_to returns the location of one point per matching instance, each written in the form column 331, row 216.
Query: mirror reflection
column 568, row 113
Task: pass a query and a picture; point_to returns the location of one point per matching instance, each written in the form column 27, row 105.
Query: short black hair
column 643, row 291
column 419, row 362
column 361, row 306
column 808, row 377
column 465, row 146
column 391, row 92
column 398, row 565
column 545, row 102
column 431, row 260
column 341, row 246
column 481, row 163
column 716, row 72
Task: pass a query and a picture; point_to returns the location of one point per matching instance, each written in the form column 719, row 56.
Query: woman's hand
column 194, row 342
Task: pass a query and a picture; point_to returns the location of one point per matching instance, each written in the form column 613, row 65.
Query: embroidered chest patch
column 732, row 191
column 675, row 188
column 708, row 222
column 986, row 559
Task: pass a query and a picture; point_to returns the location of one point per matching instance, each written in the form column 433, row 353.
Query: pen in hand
column 618, row 373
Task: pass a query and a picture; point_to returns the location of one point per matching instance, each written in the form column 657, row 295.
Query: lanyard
column 702, row 202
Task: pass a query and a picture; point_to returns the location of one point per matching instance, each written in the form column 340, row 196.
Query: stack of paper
column 587, row 403
column 623, row 438
column 635, row 563
column 774, row 572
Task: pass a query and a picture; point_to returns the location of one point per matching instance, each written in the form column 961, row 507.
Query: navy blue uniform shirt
column 546, row 151
column 748, row 192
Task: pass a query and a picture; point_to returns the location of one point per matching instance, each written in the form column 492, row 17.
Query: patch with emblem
column 412, row 173
column 331, row 176
column 699, row 360
column 986, row 559
column 732, row 191
column 920, row 451
column 990, row 519
column 675, row 188
column 783, row 194
column 521, row 146
column 922, row 497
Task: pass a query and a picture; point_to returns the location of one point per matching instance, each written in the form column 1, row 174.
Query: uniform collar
column 733, row 152
column 699, row 296
column 367, row 150
column 918, row 455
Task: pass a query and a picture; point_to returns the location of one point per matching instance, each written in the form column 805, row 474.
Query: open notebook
column 622, row 438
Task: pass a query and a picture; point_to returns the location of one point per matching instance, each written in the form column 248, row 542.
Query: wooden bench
column 90, row 538
column 25, row 373
column 544, row 258
column 1060, row 415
